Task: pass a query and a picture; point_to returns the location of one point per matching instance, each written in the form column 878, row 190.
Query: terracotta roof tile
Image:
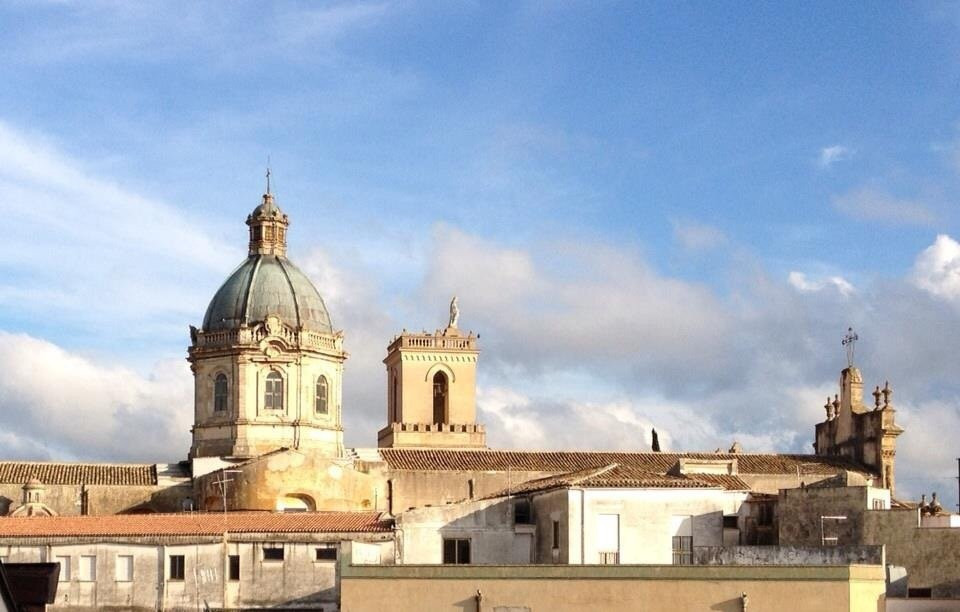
column 570, row 461
column 20, row 472
column 193, row 524
column 627, row 477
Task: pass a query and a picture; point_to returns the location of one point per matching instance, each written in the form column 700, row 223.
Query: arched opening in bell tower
column 440, row 398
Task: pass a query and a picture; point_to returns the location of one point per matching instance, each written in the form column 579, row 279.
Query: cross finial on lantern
column 849, row 341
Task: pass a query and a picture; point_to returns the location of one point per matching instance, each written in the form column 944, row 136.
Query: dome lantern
column 268, row 228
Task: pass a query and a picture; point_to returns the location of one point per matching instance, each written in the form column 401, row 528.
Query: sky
column 654, row 214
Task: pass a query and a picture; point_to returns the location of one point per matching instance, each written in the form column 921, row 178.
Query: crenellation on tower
column 431, row 389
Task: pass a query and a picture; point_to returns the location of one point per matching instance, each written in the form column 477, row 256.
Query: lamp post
column 828, row 518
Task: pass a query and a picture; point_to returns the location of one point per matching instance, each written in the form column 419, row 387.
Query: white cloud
column 937, row 269
column 833, row 154
column 870, row 204
column 694, row 236
column 803, row 284
column 87, row 251
column 60, row 405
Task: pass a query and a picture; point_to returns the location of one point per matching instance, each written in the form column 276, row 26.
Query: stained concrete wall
column 297, row 580
column 610, row 588
column 788, row 555
column 799, row 512
column 929, row 554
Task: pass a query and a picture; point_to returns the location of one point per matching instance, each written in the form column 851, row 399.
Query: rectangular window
column 327, row 553
column 124, row 569
column 521, row 511
column 234, row 569
column 177, row 567
column 88, row 568
column 64, row 568
column 879, row 504
column 556, row 535
column 456, row 551
column 273, row 552
column 682, row 550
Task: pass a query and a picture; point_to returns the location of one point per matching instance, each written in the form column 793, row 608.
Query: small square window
column 326, row 553
column 177, row 567
column 456, row 551
column 273, row 552
column 234, row 567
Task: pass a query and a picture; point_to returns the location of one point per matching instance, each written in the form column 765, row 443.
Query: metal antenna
column 849, row 341
column 222, row 483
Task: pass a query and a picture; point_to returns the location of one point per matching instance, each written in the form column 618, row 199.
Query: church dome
column 267, row 283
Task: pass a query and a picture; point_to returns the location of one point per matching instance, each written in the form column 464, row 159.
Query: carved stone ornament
column 274, row 325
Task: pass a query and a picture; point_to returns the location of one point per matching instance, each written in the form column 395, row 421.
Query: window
column 327, row 552
column 64, row 568
column 682, row 550
column 920, row 593
column 88, row 568
column 456, row 551
column 177, row 567
column 124, row 568
column 273, row 392
column 394, row 413
column 321, row 399
column 471, row 488
column 234, row 567
column 521, row 511
column 273, row 552
column 220, row 393
column 439, row 398
column 879, row 504
column 556, row 535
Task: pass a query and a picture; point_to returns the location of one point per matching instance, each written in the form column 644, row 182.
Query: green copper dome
column 266, row 285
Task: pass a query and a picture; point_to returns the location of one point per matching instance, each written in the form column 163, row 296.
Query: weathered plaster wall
column 263, row 483
column 300, row 579
column 488, row 524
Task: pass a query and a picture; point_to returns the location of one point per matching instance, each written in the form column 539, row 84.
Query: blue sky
column 655, row 214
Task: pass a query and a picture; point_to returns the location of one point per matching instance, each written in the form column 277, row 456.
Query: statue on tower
column 454, row 313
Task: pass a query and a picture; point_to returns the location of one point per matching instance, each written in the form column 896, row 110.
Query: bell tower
column 432, row 389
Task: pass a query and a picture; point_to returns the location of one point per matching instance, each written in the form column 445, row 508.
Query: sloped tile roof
column 628, row 477
column 19, row 472
column 570, row 461
column 194, row 524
